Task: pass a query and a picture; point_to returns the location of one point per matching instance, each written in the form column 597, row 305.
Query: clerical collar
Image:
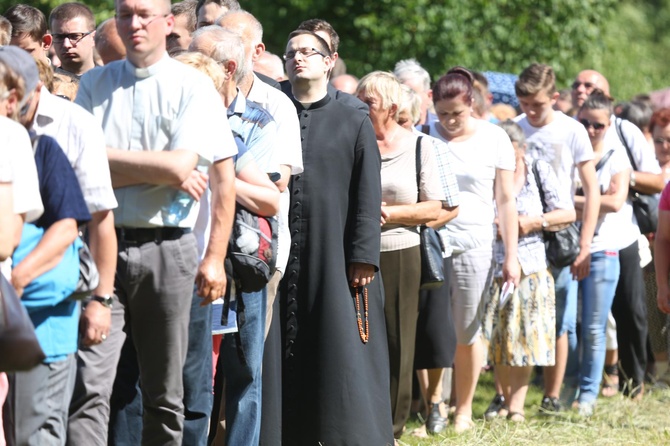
column 313, row 105
column 148, row 71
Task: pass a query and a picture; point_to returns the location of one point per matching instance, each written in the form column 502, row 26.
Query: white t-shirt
column 475, row 164
column 563, row 143
column 16, row 149
column 615, row 230
column 643, row 153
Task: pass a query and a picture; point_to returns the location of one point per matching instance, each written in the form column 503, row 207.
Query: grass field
column 617, row 421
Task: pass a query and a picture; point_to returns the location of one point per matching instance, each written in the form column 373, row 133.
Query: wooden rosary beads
column 364, row 334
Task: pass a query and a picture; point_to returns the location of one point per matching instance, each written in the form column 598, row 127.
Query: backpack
column 252, row 250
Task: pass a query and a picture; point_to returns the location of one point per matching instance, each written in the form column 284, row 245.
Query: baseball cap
column 23, row 64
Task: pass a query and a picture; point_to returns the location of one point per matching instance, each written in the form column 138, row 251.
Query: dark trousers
column 126, row 421
column 630, row 312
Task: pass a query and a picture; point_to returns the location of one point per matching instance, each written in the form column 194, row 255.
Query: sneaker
column 550, row 405
column 496, row 405
column 586, row 409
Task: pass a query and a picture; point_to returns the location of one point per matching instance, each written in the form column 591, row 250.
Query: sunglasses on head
column 587, row 85
column 596, row 125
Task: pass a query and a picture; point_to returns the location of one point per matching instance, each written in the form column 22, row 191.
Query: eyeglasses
column 74, row 38
column 144, row 19
column 587, row 85
column 304, row 52
column 661, row 141
column 596, row 125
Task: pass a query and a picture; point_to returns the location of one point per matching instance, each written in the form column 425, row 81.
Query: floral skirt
column 522, row 332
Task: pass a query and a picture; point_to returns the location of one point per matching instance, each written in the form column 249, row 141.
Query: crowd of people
column 145, row 137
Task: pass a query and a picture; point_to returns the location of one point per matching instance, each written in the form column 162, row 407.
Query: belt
column 140, row 236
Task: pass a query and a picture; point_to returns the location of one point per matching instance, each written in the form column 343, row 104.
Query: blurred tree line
column 626, row 40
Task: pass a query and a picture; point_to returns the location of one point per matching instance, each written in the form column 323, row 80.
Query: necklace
column 364, row 334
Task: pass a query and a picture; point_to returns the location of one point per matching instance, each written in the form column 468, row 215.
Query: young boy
column 564, row 144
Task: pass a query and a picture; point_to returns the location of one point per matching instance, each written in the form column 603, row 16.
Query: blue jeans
column 597, row 296
column 242, row 371
column 566, row 303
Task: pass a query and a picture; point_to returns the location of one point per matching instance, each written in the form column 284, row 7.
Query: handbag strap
column 417, row 154
column 619, row 132
column 536, row 174
column 603, row 160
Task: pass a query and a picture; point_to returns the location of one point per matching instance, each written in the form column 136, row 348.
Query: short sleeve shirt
column 17, row 151
column 166, row 106
column 475, row 163
column 82, row 140
column 563, row 143
column 664, row 203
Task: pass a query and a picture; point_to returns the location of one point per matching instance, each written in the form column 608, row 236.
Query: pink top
column 664, row 203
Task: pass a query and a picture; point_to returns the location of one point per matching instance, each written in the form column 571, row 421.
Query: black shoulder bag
column 562, row 246
column 645, row 207
column 432, row 264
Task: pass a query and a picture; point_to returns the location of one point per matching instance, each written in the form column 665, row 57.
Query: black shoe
column 495, row 406
column 550, row 405
column 435, row 423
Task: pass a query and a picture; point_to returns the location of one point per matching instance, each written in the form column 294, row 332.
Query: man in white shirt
column 156, row 136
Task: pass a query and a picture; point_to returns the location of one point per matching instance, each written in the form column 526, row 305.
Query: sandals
column 610, row 381
column 435, row 423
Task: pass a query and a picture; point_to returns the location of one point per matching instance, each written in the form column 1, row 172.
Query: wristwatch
column 105, row 300
column 545, row 225
column 632, row 179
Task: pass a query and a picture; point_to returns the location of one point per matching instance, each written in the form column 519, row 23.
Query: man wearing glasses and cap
column 73, row 32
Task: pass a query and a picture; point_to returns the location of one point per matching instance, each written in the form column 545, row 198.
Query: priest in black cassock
column 335, row 364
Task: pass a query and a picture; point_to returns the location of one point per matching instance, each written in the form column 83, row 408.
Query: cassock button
column 291, row 342
column 296, row 192
column 290, row 355
column 304, row 127
column 302, row 138
column 306, row 115
column 296, row 177
column 295, row 245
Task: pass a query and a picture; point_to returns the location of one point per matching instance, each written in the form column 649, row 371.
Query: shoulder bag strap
column 603, row 160
column 619, row 132
column 536, row 174
column 417, row 153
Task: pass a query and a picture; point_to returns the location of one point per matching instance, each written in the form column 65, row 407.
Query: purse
column 432, row 263
column 561, row 246
column 645, row 207
column 19, row 348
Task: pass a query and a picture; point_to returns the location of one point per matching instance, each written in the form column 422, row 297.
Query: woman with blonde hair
column 405, row 205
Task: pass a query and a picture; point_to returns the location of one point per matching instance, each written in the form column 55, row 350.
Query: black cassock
column 336, row 388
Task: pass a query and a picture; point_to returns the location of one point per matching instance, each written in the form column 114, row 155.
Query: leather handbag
column 19, row 348
column 432, row 263
column 645, row 207
column 561, row 246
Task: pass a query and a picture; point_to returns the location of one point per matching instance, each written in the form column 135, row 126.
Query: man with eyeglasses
column 158, row 142
column 73, row 32
column 336, row 366
column 628, row 308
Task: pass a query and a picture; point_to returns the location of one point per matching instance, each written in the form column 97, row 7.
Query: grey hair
column 249, row 21
column 514, row 132
column 409, row 69
column 225, row 45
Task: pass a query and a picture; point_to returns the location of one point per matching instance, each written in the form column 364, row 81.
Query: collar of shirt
column 238, row 106
column 143, row 73
column 46, row 110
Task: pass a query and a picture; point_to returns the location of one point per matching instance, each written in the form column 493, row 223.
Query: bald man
column 628, row 307
column 270, row 65
column 345, row 82
column 585, row 82
column 108, row 43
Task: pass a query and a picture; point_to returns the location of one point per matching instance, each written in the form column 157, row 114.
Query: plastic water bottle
column 180, row 206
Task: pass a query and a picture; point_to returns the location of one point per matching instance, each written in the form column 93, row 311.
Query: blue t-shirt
column 56, row 318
